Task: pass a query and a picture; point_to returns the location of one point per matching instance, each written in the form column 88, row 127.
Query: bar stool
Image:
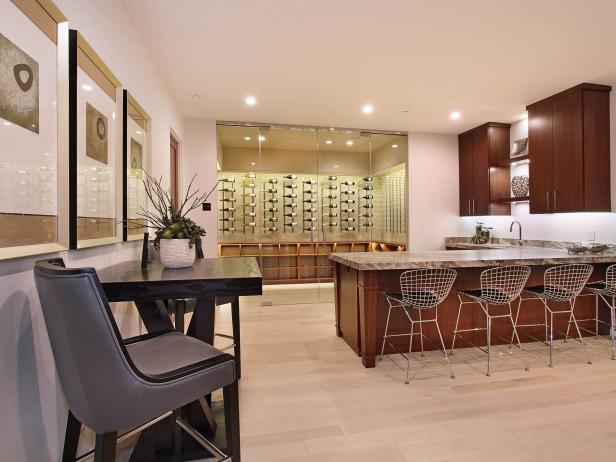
column 562, row 283
column 607, row 291
column 499, row 286
column 422, row 289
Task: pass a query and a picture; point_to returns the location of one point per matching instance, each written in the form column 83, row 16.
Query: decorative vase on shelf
column 177, row 253
column 519, row 186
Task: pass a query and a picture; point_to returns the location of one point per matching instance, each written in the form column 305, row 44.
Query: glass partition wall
column 291, row 195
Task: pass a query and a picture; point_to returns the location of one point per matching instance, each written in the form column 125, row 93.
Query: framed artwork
column 136, row 161
column 95, row 128
column 33, row 76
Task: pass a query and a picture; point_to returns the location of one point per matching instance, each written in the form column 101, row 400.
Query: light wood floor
column 306, row 397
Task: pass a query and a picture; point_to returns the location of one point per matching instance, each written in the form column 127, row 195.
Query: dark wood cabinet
column 568, row 140
column 484, row 180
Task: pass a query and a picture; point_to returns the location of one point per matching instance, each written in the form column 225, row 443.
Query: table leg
column 154, row 315
column 235, row 320
column 202, row 322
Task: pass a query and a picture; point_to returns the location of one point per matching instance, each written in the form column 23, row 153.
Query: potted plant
column 176, row 234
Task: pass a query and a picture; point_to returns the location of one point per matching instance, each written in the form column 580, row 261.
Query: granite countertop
column 483, row 258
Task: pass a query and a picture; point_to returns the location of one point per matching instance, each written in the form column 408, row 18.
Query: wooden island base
column 361, row 311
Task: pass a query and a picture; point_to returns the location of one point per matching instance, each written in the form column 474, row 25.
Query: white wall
column 199, row 155
column 433, row 190
column 557, row 227
column 33, row 408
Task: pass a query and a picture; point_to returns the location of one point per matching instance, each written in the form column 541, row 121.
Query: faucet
column 519, row 228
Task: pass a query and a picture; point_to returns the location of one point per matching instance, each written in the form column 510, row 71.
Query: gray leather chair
column 111, row 384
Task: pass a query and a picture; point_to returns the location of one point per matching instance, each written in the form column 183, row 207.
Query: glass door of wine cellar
column 289, row 196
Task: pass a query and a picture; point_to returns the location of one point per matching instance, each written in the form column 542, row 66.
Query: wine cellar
column 292, row 219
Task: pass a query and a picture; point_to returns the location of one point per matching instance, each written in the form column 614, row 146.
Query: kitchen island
column 362, row 279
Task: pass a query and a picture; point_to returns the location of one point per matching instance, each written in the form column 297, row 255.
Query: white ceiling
column 317, row 62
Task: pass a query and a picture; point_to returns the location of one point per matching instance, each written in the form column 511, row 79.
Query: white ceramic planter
column 176, row 253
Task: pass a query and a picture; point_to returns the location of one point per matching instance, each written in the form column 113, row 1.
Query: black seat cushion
column 550, row 292
column 491, row 295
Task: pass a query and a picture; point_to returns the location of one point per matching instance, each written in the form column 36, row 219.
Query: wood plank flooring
column 306, row 397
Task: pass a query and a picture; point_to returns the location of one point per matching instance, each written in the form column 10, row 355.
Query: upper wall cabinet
column 484, row 174
column 569, row 150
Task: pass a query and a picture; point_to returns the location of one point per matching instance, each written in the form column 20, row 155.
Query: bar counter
column 361, row 279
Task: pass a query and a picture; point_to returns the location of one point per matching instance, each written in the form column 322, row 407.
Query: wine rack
column 348, row 205
column 249, row 204
column 290, row 203
column 228, row 205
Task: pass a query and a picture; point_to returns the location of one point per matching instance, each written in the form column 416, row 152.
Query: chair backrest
column 610, row 278
column 565, row 282
column 425, row 288
column 503, row 284
column 97, row 376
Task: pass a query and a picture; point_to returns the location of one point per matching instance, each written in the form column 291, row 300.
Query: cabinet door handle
column 554, row 200
column 473, row 206
column 547, row 197
column 469, row 206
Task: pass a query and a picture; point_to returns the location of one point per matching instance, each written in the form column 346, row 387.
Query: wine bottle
column 291, row 225
column 291, row 186
column 272, row 229
column 290, row 214
column 250, row 194
column 368, row 206
column 272, row 200
column 310, row 201
column 272, row 181
column 332, row 206
column 228, row 199
column 331, row 196
column 250, row 214
column 349, row 201
column 348, row 182
column 227, row 219
column 368, row 188
column 368, row 179
column 311, row 228
column 291, row 195
column 349, row 219
column 272, row 210
column 249, row 185
column 349, row 210
column 252, row 224
column 228, row 209
column 271, row 190
column 228, row 180
column 310, row 182
column 367, row 224
column 330, row 215
column 229, row 230
column 367, row 215
column 310, row 191
column 272, row 219
column 250, row 175
column 332, row 187
column 332, row 224
column 349, row 228
column 227, row 190
column 291, row 205
column 250, row 204
column 290, row 177
column 311, row 219
column 310, row 210
column 332, row 178
column 368, row 197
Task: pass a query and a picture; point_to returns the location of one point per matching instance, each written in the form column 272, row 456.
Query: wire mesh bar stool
column 499, row 287
column 421, row 290
column 562, row 283
column 606, row 290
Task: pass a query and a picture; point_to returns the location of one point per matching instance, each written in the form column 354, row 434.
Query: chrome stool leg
column 386, row 329
column 515, row 333
column 455, row 331
column 421, row 338
column 488, row 339
column 579, row 333
column 408, row 361
column 438, row 329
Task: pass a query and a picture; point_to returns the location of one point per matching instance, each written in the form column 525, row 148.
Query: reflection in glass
column 137, row 161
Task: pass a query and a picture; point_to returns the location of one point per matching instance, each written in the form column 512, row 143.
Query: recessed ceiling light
column 253, row 163
column 394, row 146
column 455, row 115
column 86, row 87
column 8, row 124
column 349, row 143
column 250, row 100
column 138, row 132
column 328, row 142
column 261, row 138
column 332, row 129
column 524, row 116
column 247, row 138
column 196, row 96
column 367, row 109
column 336, row 166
